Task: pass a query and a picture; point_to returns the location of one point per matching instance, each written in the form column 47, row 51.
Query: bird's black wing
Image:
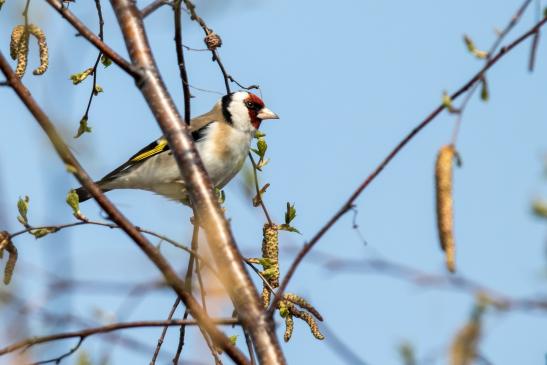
column 158, row 146
column 154, row 148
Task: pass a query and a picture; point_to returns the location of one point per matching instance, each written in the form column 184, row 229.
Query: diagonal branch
column 92, row 38
column 115, row 215
column 351, row 200
column 24, row 344
column 219, row 236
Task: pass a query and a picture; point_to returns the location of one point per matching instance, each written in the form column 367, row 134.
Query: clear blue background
column 349, row 79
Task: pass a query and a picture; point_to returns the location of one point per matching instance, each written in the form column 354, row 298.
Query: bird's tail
column 84, row 195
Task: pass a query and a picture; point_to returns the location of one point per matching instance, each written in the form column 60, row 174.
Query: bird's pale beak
column 266, row 113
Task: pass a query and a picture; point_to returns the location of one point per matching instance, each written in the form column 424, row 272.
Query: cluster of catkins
column 19, row 47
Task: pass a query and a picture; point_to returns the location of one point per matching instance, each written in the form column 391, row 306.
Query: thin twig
column 533, row 51
column 257, row 188
column 340, row 347
column 164, row 332
column 105, row 329
column 424, row 279
column 349, row 203
column 96, row 64
column 460, row 110
column 153, row 6
column 264, row 280
column 58, row 359
column 194, row 16
column 201, row 284
column 216, row 58
column 180, row 59
column 53, row 320
column 189, row 270
column 535, row 40
column 93, row 39
column 188, row 281
column 25, row 13
column 249, row 342
column 162, row 237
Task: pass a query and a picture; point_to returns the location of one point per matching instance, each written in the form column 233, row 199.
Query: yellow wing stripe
column 159, row 148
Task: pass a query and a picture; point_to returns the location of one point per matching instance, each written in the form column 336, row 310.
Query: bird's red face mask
column 257, row 111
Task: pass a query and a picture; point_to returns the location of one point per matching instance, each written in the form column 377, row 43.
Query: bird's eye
column 249, row 104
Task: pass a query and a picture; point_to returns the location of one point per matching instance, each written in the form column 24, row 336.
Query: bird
column 222, row 138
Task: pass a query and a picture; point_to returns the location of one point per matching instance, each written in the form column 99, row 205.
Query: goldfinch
column 222, row 137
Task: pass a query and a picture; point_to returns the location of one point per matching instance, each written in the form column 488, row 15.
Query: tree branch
column 180, row 59
column 257, row 189
column 97, row 60
column 349, row 203
column 425, row 280
column 105, row 329
column 219, row 236
column 188, row 281
column 512, row 23
column 164, row 332
column 93, row 39
column 153, row 6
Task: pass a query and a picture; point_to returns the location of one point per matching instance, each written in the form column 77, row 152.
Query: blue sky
column 349, row 80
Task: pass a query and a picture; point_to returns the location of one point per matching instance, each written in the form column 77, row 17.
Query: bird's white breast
column 223, row 152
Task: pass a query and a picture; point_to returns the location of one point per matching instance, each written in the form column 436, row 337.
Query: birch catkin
column 19, row 47
column 42, row 46
column 16, row 35
column 445, row 202
column 270, row 252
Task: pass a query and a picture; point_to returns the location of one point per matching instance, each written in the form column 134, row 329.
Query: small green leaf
column 447, row 101
column 81, row 76
column 539, row 208
column 84, row 128
column 485, row 95
column 74, row 202
column 233, row 339
column 469, row 43
column 41, row 232
column 283, row 310
column 259, row 134
column 265, row 262
column 106, row 61
column 288, row 228
column 22, row 206
column 70, row 168
column 262, row 146
column 97, row 89
column 290, row 213
column 270, row 272
column 262, row 163
column 473, row 49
